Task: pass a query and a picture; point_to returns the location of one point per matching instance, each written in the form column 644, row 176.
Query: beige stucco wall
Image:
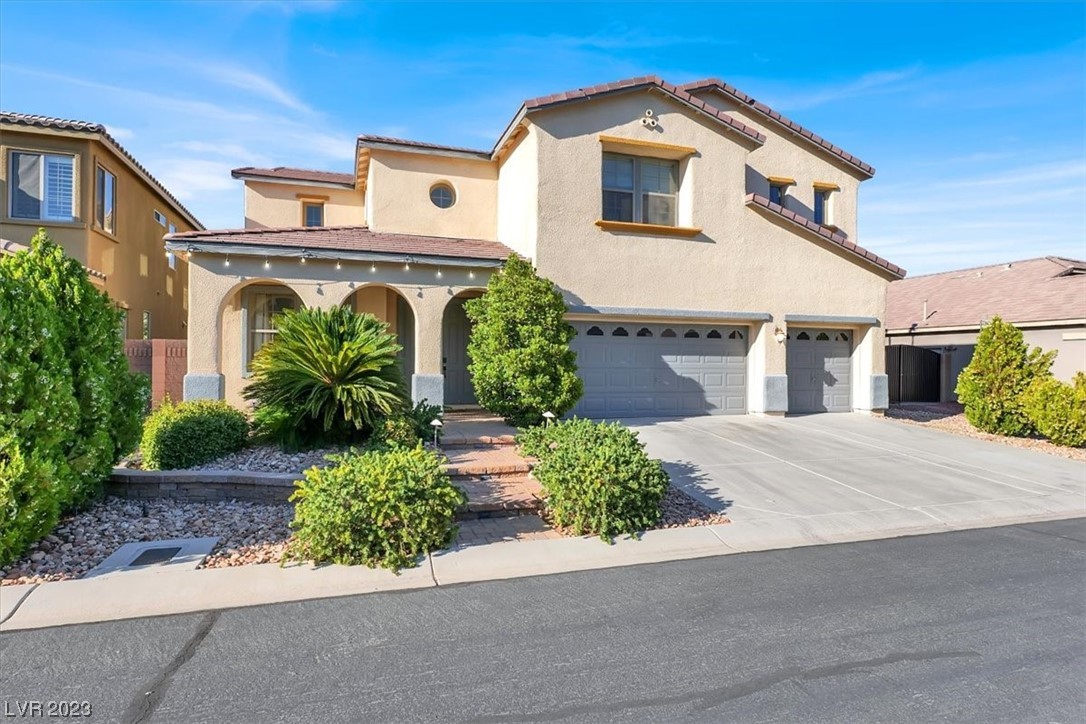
column 398, row 191
column 783, row 154
column 215, row 341
column 277, row 205
column 518, row 195
column 742, row 261
column 133, row 258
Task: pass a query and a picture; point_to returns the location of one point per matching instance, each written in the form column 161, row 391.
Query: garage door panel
column 819, row 370
column 655, row 374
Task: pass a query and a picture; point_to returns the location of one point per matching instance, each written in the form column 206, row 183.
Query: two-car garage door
column 642, row 370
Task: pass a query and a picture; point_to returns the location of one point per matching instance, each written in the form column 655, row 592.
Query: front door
column 455, row 332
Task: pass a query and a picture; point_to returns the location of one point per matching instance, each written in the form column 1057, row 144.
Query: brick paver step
column 508, row 495
column 485, row 461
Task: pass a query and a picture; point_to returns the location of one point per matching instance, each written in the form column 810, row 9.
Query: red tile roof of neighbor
column 62, row 124
column 1033, row 290
column 350, row 238
column 296, row 174
column 767, row 112
column 764, row 204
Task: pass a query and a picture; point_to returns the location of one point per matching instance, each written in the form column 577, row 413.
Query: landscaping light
column 436, row 424
column 779, row 335
column 549, row 416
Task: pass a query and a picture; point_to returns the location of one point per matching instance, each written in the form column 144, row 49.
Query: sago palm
column 331, row 373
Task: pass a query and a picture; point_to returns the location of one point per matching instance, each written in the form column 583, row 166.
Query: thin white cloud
column 252, row 83
column 882, row 81
column 121, row 134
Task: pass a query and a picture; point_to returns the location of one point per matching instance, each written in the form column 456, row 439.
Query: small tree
column 520, row 361
column 992, row 385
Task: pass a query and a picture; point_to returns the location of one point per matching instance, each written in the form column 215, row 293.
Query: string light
column 267, row 264
column 338, row 264
column 373, row 268
column 439, row 272
column 227, row 261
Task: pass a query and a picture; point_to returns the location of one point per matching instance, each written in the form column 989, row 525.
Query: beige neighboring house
column 705, row 244
column 1045, row 297
column 104, row 208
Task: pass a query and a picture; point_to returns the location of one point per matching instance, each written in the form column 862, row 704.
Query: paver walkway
column 503, row 499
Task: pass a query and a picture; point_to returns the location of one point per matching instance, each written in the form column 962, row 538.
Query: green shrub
column 396, row 430
column 596, row 477
column 69, row 408
column 1058, row 410
column 520, row 361
column 332, row 371
column 191, row 433
column 992, row 385
column 421, row 415
column 376, row 508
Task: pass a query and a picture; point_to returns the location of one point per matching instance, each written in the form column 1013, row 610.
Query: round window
column 442, row 195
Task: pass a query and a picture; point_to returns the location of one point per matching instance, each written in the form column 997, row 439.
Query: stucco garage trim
column 581, row 309
column 830, row 319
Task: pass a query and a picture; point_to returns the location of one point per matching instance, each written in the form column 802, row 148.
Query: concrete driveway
column 859, row 467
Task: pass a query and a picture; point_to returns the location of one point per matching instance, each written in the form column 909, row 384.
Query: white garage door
column 643, row 370
column 819, row 370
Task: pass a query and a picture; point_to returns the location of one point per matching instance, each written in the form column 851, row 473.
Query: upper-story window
column 638, row 189
column 105, row 199
column 776, row 194
column 442, row 196
column 161, row 218
column 42, row 186
column 823, row 203
column 312, row 213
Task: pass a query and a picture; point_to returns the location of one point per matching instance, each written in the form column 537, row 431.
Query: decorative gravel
column 248, row 533
column 270, row 459
column 682, row 511
column 949, row 418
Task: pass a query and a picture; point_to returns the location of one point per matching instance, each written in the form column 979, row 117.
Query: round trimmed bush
column 191, row 433
column 1058, row 410
column 376, row 508
column 597, row 478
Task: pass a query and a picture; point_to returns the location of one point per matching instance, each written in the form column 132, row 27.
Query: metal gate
column 913, row 373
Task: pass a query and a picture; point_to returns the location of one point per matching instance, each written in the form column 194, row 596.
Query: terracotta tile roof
column 366, row 140
column 647, row 81
column 296, row 174
column 764, row 204
column 14, row 247
column 741, row 97
column 1033, row 290
column 61, row 124
column 349, row 238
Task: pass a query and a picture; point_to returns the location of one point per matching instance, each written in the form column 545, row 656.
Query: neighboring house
column 1044, row 297
column 704, row 243
column 104, row 208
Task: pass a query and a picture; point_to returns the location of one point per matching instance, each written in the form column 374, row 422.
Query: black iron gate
column 913, row 373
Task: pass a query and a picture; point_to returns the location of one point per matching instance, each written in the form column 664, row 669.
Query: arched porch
column 455, row 333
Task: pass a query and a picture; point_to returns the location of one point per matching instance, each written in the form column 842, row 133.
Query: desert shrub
column 398, row 429
column 992, row 385
column 1058, row 410
column 327, row 377
column 421, row 415
column 596, row 477
column 374, row 508
column 69, row 408
column 191, row 433
column 520, row 361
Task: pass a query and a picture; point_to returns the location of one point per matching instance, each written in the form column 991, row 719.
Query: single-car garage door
column 642, row 370
column 819, row 370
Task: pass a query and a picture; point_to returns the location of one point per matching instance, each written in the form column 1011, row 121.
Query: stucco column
column 428, row 381
column 204, row 378
column 775, row 368
column 870, row 387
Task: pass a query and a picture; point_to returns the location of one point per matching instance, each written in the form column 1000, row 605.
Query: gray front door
column 819, row 370
column 455, row 331
column 643, row 370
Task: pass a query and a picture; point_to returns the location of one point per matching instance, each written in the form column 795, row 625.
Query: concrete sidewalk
column 163, row 592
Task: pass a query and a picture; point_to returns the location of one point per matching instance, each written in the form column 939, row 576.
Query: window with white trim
column 105, row 199
column 639, row 189
column 823, row 207
column 261, row 305
column 146, row 325
column 41, row 186
column 160, row 218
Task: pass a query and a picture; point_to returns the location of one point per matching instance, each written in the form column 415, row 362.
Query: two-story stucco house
column 104, row 208
column 705, row 245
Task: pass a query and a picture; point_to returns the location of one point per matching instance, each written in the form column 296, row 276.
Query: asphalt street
column 984, row 625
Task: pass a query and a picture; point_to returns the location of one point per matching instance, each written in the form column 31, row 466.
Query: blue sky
column 973, row 114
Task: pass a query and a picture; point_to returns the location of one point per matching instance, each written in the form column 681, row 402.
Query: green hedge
column 596, row 477
column 192, row 433
column 375, row 508
column 69, row 407
column 1058, row 410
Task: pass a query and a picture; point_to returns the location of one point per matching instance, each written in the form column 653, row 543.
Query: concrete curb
column 164, row 592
